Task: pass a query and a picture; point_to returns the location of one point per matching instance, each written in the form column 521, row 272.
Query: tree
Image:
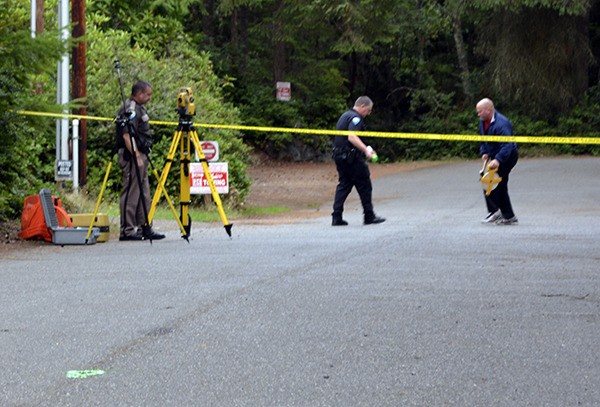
column 22, row 61
column 538, row 54
column 455, row 9
column 167, row 74
column 153, row 24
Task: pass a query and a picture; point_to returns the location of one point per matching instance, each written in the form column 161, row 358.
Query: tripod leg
column 87, row 237
column 184, row 191
column 163, row 178
column 211, row 183
column 173, row 210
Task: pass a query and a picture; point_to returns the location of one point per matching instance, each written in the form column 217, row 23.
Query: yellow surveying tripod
column 185, row 135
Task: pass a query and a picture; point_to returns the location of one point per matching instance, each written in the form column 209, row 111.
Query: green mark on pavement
column 83, row 374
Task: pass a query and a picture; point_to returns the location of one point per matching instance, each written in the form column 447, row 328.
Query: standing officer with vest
column 133, row 215
column 501, row 155
column 349, row 153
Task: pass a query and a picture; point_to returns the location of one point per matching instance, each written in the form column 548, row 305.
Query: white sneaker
column 509, row 221
column 492, row 217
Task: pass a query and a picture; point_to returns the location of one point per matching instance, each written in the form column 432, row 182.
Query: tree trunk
column 208, row 22
column 463, row 62
column 234, row 28
column 278, row 42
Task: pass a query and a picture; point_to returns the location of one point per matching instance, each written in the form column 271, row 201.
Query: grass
column 212, row 214
column 78, row 203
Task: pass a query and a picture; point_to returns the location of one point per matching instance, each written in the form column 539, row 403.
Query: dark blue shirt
column 500, row 126
column 350, row 120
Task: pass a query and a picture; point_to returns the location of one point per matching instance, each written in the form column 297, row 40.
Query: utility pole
column 79, row 81
column 37, row 17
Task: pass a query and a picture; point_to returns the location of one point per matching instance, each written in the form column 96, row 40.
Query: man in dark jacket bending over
column 503, row 156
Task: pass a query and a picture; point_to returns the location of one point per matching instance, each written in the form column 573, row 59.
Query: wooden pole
column 39, row 16
column 79, row 82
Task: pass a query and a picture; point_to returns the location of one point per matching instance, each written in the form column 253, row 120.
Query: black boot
column 338, row 222
column 373, row 220
column 149, row 233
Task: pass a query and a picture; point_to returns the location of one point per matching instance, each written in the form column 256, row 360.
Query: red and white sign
column 210, row 150
column 199, row 183
column 284, row 91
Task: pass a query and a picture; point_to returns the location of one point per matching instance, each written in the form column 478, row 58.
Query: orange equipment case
column 33, row 223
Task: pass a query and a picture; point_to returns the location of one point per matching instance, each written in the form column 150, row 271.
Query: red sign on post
column 210, row 150
column 199, row 183
column 284, row 91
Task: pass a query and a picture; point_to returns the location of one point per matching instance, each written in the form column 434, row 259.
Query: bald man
column 503, row 156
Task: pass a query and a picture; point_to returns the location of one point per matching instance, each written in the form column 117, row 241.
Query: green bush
column 167, row 75
column 26, row 158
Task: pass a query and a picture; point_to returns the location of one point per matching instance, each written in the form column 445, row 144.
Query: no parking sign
column 210, row 150
column 199, row 183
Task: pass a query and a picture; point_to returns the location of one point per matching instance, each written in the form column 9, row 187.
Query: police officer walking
column 349, row 153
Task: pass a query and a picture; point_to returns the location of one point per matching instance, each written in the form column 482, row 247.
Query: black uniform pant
column 353, row 174
column 498, row 198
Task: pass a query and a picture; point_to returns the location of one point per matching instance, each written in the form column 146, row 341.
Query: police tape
column 389, row 135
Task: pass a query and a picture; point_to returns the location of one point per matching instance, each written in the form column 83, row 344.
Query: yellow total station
column 186, row 136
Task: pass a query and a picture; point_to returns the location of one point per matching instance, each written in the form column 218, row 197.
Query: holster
column 345, row 154
column 126, row 153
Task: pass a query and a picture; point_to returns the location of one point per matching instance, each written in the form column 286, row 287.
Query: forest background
column 425, row 63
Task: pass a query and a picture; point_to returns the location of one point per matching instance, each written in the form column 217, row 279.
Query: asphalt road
column 431, row 308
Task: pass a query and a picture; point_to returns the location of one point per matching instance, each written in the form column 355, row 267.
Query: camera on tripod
column 124, row 118
column 185, row 102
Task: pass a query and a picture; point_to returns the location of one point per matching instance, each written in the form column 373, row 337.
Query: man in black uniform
column 349, row 153
column 132, row 210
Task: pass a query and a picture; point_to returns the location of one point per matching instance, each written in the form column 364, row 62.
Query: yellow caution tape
column 63, row 115
column 420, row 136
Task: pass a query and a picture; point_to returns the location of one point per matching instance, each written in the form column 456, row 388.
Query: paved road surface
column 431, row 308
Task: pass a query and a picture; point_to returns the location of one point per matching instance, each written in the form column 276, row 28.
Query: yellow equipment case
column 101, row 222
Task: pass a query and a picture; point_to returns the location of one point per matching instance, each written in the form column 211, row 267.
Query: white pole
column 64, row 22
column 33, row 17
column 75, row 155
column 58, row 121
